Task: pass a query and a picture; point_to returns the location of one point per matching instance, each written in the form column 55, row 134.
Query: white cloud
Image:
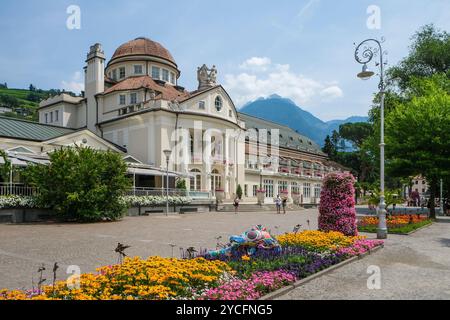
column 75, row 84
column 256, row 64
column 280, row 79
column 332, row 92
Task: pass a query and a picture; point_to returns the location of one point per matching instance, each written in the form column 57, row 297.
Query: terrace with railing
column 162, row 192
column 20, row 189
column 17, row 189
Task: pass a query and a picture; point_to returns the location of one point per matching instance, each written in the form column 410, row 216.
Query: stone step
column 246, row 207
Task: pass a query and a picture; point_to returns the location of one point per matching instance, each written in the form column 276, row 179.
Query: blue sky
column 302, row 50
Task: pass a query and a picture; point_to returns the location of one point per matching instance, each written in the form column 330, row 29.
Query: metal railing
column 17, row 189
column 162, row 192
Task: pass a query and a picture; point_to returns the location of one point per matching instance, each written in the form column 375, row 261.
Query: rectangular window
column 122, row 99
column 306, row 190
column 138, row 69
column 46, row 118
column 246, row 190
column 172, row 78
column 165, row 75
column 201, row 105
column 155, row 72
column 56, row 115
column 133, row 98
column 317, row 190
column 230, row 113
column 282, row 187
column 268, row 186
column 294, row 188
column 51, row 117
column 114, row 74
column 255, row 188
column 122, row 72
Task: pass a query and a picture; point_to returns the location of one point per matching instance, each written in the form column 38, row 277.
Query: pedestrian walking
column 284, row 203
column 278, row 204
column 236, row 205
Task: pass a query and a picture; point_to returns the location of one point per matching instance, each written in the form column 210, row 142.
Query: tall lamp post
column 167, row 154
column 365, row 52
column 441, row 199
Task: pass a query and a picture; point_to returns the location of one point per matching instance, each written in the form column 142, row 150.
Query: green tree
column 239, row 191
column 429, row 54
column 181, row 184
column 5, row 166
column 81, row 183
column 418, row 134
column 9, row 101
column 356, row 133
column 329, row 148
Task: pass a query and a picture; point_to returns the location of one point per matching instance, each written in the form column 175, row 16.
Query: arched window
column 196, row 180
column 218, row 103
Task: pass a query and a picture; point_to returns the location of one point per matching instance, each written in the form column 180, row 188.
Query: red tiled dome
column 143, row 46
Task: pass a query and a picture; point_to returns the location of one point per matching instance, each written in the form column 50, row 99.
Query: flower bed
column 30, row 202
column 399, row 224
column 151, row 201
column 227, row 277
column 12, row 202
column 317, row 241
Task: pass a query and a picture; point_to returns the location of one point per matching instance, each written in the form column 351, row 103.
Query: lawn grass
column 407, row 228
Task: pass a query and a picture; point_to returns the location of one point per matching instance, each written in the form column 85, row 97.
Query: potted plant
column 261, row 195
column 296, row 197
column 284, row 194
column 220, row 195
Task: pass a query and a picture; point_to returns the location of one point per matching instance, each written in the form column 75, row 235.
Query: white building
column 135, row 105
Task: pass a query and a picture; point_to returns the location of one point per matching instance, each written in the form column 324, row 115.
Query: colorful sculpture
column 248, row 243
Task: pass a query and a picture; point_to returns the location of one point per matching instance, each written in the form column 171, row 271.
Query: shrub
column 81, row 183
column 181, row 184
column 337, row 204
column 239, row 191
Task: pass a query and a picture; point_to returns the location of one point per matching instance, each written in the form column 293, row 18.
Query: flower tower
column 337, row 204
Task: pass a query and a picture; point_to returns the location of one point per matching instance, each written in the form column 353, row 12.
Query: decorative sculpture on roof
column 250, row 242
column 206, row 77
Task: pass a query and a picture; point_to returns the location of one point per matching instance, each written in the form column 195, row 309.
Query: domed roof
column 143, row 46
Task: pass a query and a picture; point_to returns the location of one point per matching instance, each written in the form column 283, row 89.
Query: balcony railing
column 17, row 189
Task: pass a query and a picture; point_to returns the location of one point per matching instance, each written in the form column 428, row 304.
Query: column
column 207, row 161
column 226, row 169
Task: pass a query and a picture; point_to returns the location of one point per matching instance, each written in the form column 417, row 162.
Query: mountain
column 286, row 112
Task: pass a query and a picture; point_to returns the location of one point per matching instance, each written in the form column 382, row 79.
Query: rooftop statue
column 206, row 77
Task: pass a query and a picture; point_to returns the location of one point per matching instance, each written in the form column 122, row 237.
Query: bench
column 147, row 212
column 186, row 210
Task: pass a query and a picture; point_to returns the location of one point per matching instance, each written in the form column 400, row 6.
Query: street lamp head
column 365, row 74
column 167, row 153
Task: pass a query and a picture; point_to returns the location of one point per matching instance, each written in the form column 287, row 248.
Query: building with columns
column 134, row 104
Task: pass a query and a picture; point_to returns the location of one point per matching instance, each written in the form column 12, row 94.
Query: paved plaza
column 23, row 248
column 412, row 267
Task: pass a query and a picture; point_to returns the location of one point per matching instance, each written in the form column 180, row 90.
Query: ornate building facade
column 134, row 104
